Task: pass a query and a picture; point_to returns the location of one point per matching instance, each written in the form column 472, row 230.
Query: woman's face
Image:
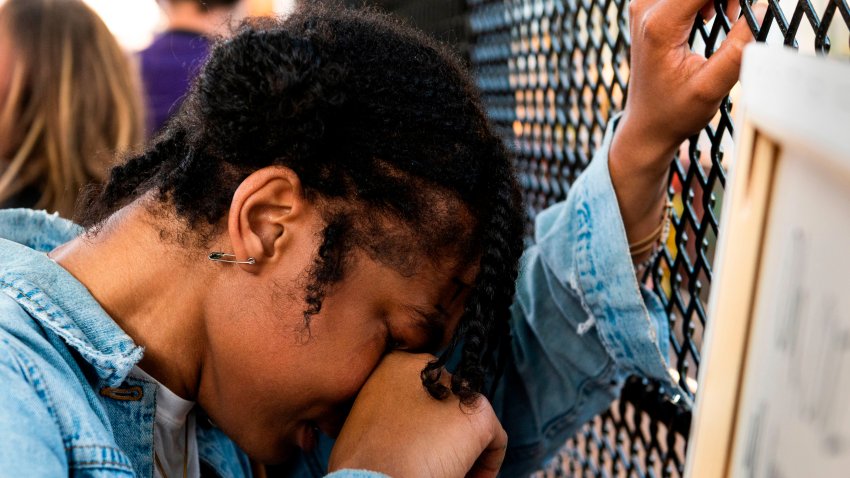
column 268, row 379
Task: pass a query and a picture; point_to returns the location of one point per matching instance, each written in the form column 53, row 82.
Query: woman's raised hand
column 673, row 93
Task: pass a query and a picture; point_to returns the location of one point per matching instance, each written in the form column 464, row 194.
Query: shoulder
column 19, row 333
column 26, row 402
column 27, row 356
column 32, row 441
column 48, row 411
column 39, row 360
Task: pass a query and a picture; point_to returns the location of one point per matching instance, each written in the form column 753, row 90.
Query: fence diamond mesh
column 552, row 72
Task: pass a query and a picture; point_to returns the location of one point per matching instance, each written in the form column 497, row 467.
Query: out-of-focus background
column 551, row 73
column 135, row 22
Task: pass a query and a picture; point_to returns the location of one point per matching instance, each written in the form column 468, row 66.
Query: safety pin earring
column 222, row 257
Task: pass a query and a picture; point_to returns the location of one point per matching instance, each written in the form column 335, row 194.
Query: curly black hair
column 384, row 127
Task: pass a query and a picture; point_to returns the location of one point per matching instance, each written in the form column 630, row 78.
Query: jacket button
column 127, row 394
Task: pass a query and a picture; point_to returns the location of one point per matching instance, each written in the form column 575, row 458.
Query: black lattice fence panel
column 552, row 72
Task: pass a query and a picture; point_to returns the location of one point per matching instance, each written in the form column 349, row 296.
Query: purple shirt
column 168, row 66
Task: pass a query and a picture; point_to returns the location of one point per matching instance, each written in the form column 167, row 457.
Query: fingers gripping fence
column 552, row 72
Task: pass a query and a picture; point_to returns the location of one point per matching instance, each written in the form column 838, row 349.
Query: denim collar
column 55, row 298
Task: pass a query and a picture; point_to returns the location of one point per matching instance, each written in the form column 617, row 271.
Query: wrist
column 640, row 150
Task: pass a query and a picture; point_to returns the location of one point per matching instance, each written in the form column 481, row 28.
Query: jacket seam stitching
column 107, row 447
column 74, row 464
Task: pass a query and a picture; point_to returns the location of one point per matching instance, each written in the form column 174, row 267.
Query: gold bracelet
column 659, row 234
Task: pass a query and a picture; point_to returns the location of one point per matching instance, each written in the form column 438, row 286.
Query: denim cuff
column 630, row 322
column 356, row 474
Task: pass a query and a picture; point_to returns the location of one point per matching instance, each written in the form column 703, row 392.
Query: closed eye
column 430, row 324
column 393, row 344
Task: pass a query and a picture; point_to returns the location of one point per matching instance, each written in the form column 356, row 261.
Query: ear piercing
column 224, row 257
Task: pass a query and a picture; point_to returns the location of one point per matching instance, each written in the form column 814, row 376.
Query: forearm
column 673, row 93
column 580, row 321
column 639, row 166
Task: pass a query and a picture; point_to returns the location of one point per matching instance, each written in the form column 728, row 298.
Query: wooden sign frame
column 789, row 103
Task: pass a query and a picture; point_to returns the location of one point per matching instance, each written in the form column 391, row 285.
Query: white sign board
column 775, row 378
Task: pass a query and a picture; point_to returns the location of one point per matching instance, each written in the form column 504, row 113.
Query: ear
column 268, row 207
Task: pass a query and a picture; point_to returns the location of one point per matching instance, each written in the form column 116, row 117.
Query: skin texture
column 233, row 337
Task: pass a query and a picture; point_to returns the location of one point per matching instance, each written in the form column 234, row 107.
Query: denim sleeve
column 356, row 474
column 581, row 323
column 30, row 440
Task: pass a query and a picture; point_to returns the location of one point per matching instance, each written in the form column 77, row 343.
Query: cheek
column 242, row 371
column 347, row 341
column 345, row 367
column 237, row 394
column 272, row 368
column 265, row 375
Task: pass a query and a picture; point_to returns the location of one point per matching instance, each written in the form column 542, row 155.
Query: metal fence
column 445, row 20
column 552, row 73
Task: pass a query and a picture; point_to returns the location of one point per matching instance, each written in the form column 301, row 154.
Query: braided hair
column 383, row 126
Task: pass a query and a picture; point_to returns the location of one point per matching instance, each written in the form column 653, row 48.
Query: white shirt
column 172, row 418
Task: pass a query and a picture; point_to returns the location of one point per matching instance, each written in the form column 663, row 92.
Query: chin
column 269, row 450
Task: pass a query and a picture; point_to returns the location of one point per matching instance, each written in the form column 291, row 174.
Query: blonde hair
column 73, row 101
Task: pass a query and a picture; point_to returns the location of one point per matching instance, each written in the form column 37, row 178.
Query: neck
column 189, row 16
column 151, row 291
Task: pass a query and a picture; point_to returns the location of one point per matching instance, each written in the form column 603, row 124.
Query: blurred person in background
column 69, row 101
column 174, row 58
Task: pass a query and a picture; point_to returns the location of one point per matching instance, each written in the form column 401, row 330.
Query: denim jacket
column 581, row 324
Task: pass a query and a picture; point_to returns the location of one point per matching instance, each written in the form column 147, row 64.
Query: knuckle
column 705, row 93
column 634, row 9
column 652, row 27
column 702, row 93
column 501, row 434
column 736, row 51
